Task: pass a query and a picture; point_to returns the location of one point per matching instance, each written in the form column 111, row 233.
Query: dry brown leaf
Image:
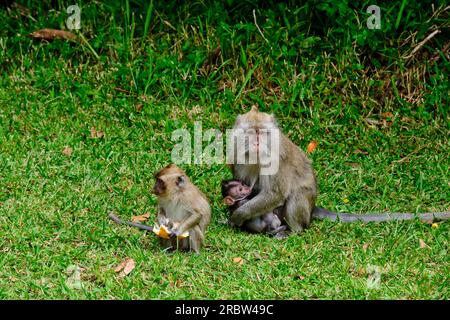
column 299, row 277
column 67, row 151
column 50, row 34
column 365, row 246
column 238, row 260
column 422, row 244
column 360, row 151
column 141, row 218
column 96, row 134
column 387, row 115
column 311, row 146
column 125, row 267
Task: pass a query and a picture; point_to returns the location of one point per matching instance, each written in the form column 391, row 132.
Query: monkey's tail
column 321, row 214
column 116, row 219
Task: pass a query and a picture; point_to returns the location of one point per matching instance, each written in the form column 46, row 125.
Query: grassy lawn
column 84, row 125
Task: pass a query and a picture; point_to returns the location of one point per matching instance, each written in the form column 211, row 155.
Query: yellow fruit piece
column 346, row 200
column 183, row 235
column 435, row 226
column 163, row 232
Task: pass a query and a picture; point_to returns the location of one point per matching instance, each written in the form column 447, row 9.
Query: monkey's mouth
column 157, row 191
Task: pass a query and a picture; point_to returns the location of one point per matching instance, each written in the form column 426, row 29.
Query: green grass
column 159, row 70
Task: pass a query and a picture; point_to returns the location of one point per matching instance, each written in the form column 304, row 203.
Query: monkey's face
column 234, row 190
column 239, row 191
column 169, row 180
column 256, row 133
column 160, row 187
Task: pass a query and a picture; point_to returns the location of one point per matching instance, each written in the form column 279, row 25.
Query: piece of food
column 163, row 232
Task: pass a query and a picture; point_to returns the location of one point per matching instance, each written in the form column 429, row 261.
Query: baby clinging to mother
column 280, row 175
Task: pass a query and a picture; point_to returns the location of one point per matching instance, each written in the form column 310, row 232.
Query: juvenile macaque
column 182, row 208
column 183, row 205
column 235, row 193
column 293, row 185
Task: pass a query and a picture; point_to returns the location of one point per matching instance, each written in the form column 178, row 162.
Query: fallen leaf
column 67, row 151
column 96, row 134
column 299, row 277
column 51, row 34
column 360, row 151
column 387, row 115
column 125, row 267
column 141, row 218
column 238, row 260
column 422, row 244
column 365, row 246
column 311, row 146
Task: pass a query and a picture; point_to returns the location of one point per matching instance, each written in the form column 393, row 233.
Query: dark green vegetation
column 380, row 117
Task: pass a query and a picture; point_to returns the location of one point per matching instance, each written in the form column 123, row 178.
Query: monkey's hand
column 256, row 207
column 238, row 217
column 177, row 234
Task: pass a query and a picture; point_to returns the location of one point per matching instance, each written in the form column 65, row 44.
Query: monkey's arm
column 261, row 204
column 320, row 213
column 191, row 220
column 162, row 218
column 116, row 219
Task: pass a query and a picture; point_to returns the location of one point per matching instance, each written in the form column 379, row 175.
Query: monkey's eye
column 180, row 181
column 240, row 189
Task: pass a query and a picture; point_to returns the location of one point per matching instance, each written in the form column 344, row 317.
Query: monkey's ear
column 181, row 181
column 228, row 200
column 254, row 108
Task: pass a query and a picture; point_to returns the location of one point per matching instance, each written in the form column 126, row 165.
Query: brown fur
column 293, row 186
column 183, row 206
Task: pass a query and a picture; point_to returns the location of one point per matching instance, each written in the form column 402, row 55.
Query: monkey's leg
column 282, row 234
column 257, row 225
column 166, row 244
column 298, row 212
column 181, row 244
column 277, row 230
column 196, row 239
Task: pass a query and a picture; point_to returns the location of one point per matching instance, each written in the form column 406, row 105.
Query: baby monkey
column 235, row 193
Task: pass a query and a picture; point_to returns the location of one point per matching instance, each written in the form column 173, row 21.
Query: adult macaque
column 293, row 185
column 182, row 207
column 235, row 193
